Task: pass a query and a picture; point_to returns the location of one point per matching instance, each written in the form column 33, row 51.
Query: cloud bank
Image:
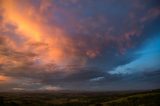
column 79, row 44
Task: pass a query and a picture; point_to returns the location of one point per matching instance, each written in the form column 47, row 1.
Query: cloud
column 50, row 88
column 31, row 28
column 97, row 79
column 4, row 79
column 73, row 44
column 148, row 60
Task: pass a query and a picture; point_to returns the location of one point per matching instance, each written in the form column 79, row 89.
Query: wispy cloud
column 148, row 59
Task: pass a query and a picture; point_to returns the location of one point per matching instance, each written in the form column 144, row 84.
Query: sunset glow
column 78, row 44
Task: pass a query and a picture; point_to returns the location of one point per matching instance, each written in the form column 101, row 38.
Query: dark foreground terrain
column 136, row 98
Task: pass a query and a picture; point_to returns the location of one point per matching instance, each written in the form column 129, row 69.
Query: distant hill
column 141, row 99
column 69, row 98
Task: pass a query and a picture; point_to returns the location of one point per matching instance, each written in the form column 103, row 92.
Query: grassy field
column 145, row 98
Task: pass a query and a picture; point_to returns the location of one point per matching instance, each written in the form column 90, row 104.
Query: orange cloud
column 48, row 42
column 19, row 16
column 4, row 79
column 92, row 53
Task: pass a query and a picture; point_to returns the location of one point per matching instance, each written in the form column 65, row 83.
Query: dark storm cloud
column 97, row 39
column 82, row 79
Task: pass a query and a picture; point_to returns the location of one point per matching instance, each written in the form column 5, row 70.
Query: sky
column 91, row 45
